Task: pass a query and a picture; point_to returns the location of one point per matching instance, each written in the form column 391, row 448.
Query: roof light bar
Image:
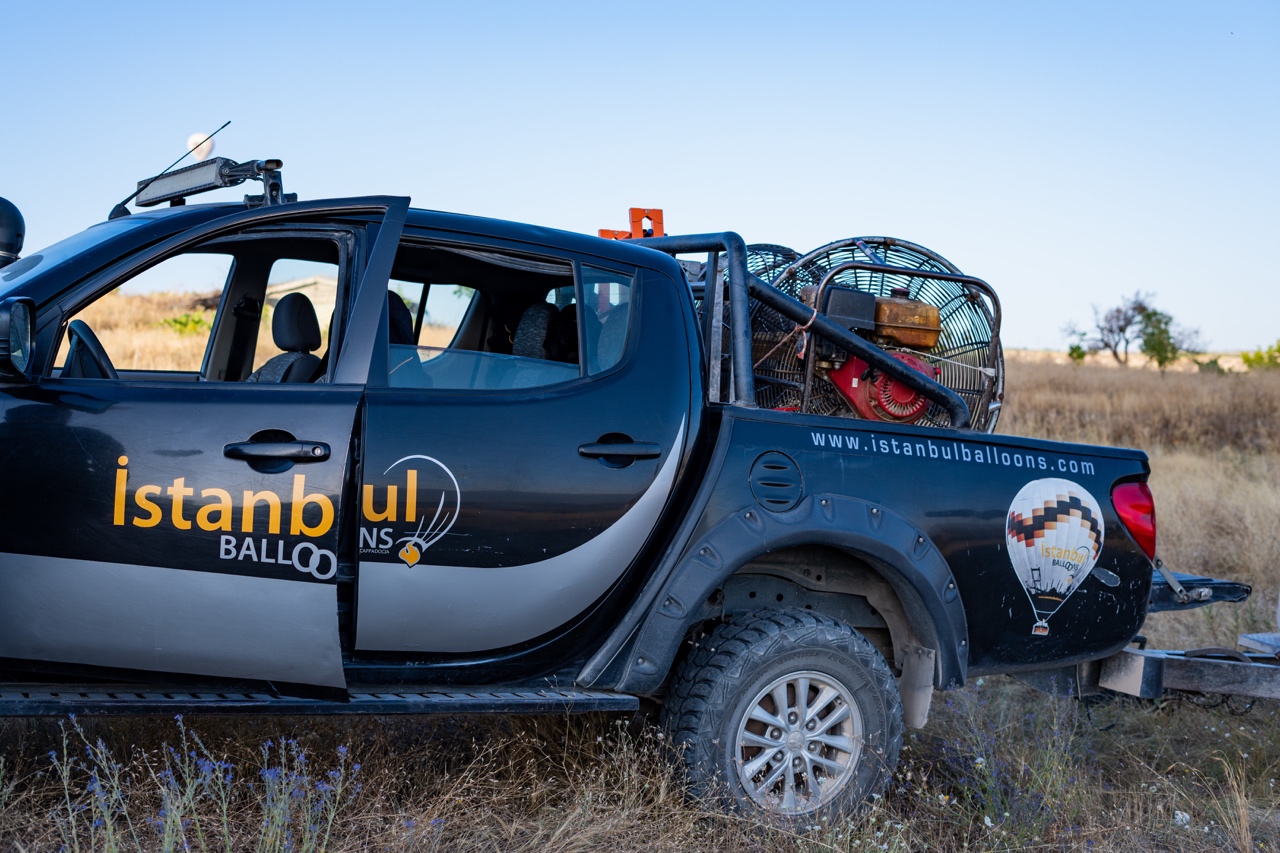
column 202, row 177
column 211, row 175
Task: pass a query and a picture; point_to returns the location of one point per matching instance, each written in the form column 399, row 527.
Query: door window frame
column 429, row 237
column 54, row 313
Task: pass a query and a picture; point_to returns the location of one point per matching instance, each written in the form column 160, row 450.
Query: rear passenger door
column 521, row 449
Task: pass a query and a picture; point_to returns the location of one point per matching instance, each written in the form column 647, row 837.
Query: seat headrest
column 531, row 335
column 613, row 338
column 294, row 327
column 399, row 319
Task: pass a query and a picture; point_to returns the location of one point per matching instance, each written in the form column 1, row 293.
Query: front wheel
column 787, row 711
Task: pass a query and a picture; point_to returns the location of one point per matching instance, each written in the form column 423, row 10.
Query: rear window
column 472, row 318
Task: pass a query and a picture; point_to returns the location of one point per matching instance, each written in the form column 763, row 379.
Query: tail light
column 1137, row 509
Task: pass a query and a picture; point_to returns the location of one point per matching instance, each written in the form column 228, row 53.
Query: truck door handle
column 296, row 451
column 633, row 450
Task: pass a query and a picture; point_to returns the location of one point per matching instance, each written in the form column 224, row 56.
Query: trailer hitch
column 1180, row 592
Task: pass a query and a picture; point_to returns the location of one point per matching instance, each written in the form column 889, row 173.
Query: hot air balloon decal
column 436, row 483
column 1055, row 536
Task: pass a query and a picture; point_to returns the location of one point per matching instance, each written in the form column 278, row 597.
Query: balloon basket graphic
column 1044, row 607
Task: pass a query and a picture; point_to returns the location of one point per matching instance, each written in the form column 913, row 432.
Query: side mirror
column 16, row 342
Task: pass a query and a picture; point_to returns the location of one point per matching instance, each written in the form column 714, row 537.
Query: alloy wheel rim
column 799, row 743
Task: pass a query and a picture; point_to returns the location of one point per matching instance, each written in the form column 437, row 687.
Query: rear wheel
column 786, row 711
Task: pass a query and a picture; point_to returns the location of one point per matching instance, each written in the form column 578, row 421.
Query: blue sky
column 1066, row 153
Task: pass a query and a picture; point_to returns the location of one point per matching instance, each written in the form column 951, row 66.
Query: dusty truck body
column 576, row 502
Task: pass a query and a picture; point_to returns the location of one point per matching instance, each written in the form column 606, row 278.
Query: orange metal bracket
column 638, row 231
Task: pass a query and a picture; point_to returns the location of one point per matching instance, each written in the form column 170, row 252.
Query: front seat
column 400, row 331
column 295, row 330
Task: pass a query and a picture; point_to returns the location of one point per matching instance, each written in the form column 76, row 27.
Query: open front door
column 187, row 521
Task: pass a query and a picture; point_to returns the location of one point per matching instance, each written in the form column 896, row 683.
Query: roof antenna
column 120, row 209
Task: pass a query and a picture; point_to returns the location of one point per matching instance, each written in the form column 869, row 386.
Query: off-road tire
column 720, row 682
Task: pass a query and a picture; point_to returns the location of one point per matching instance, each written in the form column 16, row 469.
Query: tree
column 1162, row 341
column 1134, row 320
column 1117, row 328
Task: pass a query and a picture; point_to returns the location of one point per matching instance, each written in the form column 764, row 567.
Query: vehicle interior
column 237, row 309
column 492, row 320
column 267, row 307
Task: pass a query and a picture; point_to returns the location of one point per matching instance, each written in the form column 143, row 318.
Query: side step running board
column 102, row 700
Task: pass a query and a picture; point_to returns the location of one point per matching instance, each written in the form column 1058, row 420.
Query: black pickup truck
column 501, row 468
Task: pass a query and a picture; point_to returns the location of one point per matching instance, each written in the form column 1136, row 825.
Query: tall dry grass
column 1198, row 412
column 998, row 767
column 169, row 331
column 160, row 331
column 147, row 332
column 1214, row 442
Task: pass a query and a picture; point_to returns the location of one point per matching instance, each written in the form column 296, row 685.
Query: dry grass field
column 998, row 767
column 169, row 331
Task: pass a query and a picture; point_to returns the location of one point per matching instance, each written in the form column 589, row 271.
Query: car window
column 434, row 312
column 161, row 318
column 251, row 307
column 313, row 279
column 606, row 316
column 485, row 320
column 446, row 305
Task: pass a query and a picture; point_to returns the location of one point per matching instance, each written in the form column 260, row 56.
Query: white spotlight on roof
column 205, row 148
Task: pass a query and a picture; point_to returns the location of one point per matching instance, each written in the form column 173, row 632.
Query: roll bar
column 743, row 286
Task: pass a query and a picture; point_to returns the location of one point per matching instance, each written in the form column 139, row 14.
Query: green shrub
column 186, row 324
column 1263, row 359
column 1210, row 365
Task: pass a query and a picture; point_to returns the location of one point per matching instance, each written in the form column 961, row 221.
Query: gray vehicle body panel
column 169, row 620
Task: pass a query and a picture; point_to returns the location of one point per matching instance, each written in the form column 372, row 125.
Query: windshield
column 38, row 263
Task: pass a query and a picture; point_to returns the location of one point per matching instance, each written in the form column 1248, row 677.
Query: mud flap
column 915, row 686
